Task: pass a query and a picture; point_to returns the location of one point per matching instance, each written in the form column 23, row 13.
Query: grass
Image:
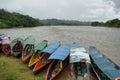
column 12, row 68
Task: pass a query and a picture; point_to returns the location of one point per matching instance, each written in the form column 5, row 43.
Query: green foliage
column 110, row 23
column 97, row 24
column 40, row 78
column 3, row 25
column 113, row 23
column 64, row 22
column 8, row 20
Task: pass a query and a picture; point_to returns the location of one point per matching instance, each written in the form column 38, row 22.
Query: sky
column 82, row 10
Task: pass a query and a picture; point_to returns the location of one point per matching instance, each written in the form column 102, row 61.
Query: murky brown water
column 107, row 40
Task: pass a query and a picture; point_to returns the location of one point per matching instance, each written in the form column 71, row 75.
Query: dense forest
column 8, row 20
column 13, row 19
column 64, row 22
column 110, row 23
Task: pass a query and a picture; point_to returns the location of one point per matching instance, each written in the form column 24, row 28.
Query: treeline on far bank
column 109, row 23
column 13, row 19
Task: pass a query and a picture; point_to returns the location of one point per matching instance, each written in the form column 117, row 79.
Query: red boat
column 43, row 60
column 17, row 47
column 28, row 49
column 59, row 61
column 5, row 44
column 37, row 53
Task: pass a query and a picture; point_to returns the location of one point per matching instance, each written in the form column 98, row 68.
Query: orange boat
column 43, row 60
column 28, row 50
column 37, row 54
column 59, row 60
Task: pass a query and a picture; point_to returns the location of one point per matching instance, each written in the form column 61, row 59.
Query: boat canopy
column 6, row 40
column 41, row 45
column 17, row 39
column 52, row 47
column 61, row 53
column 2, row 35
column 78, row 53
column 76, row 47
column 108, row 67
column 29, row 40
column 79, row 56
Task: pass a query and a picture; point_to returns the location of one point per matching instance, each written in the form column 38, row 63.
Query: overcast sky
column 83, row 10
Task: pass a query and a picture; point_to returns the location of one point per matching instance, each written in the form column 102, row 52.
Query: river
column 107, row 40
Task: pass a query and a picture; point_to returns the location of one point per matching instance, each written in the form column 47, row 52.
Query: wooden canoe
column 6, row 48
column 17, row 47
column 5, row 44
column 36, row 54
column 43, row 60
column 79, row 62
column 59, row 60
column 41, row 63
column 104, row 68
column 28, row 49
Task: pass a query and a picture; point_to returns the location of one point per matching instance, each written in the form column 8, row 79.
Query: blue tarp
column 110, row 69
column 52, row 47
column 61, row 53
column 76, row 44
column 77, row 53
column 76, row 47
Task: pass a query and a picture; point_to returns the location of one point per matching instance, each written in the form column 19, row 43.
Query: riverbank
column 12, row 68
column 105, row 39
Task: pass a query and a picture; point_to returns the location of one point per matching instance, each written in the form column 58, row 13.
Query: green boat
column 28, row 48
column 17, row 46
column 36, row 54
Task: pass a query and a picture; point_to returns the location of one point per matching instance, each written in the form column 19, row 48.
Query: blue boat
column 103, row 67
column 45, row 53
column 79, row 62
column 59, row 60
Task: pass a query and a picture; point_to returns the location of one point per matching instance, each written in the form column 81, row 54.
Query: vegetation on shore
column 9, row 20
column 13, row 19
column 109, row 23
column 64, row 22
column 12, row 68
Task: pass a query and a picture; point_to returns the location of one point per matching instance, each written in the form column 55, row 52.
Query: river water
column 107, row 40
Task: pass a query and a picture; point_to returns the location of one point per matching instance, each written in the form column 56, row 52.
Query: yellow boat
column 36, row 54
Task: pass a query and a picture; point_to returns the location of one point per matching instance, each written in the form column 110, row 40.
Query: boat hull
column 78, row 70
column 104, row 68
column 17, row 49
column 51, row 69
column 42, row 62
column 34, row 59
column 27, row 53
column 6, row 49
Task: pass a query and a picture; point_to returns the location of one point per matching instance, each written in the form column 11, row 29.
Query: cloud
column 83, row 10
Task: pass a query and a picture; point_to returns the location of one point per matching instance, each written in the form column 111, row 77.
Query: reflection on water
column 107, row 40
